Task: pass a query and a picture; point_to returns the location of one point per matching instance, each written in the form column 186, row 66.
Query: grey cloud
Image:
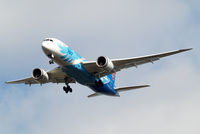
column 168, row 106
column 143, row 25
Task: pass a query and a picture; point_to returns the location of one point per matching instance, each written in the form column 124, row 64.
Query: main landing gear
column 67, row 89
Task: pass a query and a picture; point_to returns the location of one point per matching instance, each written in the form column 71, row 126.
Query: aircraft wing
column 128, row 62
column 21, row 81
column 55, row 76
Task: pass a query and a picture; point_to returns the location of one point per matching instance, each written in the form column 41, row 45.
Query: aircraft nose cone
column 46, row 47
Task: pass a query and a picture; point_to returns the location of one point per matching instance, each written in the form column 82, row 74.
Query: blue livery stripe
column 63, row 57
column 67, row 59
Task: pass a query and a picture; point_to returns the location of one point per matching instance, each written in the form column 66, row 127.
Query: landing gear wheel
column 67, row 89
column 51, row 62
column 70, row 89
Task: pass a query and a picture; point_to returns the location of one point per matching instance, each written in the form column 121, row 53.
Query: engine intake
column 105, row 63
column 40, row 75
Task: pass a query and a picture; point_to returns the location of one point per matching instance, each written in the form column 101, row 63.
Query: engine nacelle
column 40, row 75
column 105, row 63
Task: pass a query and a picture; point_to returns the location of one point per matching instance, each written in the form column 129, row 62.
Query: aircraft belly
column 78, row 73
column 83, row 77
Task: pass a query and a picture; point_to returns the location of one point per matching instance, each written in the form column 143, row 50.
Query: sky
column 113, row 28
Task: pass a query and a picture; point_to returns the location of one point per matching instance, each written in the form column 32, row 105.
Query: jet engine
column 105, row 63
column 40, row 75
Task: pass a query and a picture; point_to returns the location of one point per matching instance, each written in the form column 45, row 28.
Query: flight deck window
column 48, row 40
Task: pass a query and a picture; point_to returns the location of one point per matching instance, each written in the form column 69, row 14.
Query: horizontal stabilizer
column 121, row 90
column 94, row 95
column 131, row 88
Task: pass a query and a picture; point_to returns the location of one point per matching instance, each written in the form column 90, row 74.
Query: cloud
column 143, row 25
column 169, row 105
column 118, row 21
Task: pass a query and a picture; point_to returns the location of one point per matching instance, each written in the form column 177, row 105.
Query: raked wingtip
column 187, row 49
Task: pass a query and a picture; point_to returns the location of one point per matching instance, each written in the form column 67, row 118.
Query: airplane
column 98, row 75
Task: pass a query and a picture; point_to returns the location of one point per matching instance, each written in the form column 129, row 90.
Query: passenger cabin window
column 48, row 40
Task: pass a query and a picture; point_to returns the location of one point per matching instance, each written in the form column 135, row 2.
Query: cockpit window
column 48, row 40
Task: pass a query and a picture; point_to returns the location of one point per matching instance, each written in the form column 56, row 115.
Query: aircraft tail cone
column 117, row 94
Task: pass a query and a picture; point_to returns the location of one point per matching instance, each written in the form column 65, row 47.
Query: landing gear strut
column 51, row 56
column 67, row 89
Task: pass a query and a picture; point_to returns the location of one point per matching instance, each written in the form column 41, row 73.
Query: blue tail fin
column 112, row 79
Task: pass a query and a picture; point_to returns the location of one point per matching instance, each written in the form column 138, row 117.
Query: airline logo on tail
column 113, row 76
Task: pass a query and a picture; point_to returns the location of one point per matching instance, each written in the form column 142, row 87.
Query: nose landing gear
column 51, row 56
column 51, row 62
